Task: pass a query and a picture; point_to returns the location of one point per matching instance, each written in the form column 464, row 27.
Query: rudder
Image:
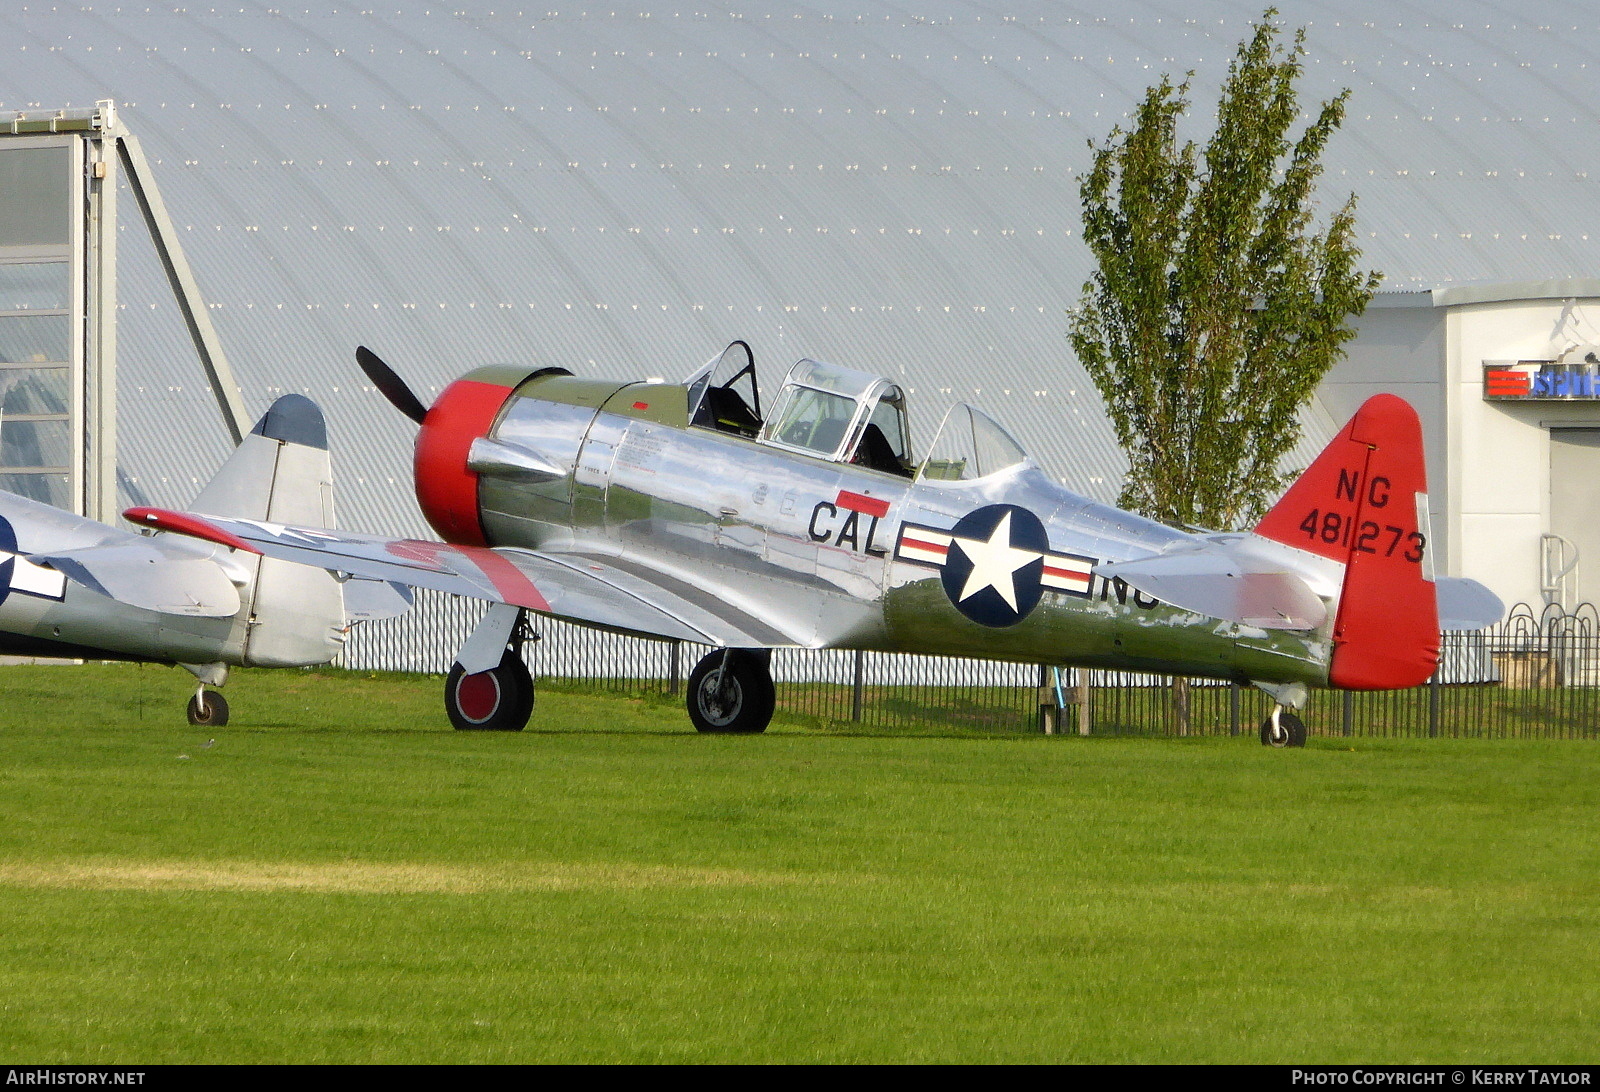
column 1364, row 504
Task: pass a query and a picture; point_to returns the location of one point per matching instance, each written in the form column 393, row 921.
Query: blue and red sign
column 1549, row 382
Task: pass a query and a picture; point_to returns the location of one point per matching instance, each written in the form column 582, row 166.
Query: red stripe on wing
column 507, row 579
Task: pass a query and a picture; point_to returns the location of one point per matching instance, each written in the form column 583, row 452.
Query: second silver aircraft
column 692, row 511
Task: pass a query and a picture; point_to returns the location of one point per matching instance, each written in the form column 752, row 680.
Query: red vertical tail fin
column 1364, row 504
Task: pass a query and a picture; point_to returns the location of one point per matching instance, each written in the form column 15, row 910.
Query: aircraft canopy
column 843, row 415
column 970, row 444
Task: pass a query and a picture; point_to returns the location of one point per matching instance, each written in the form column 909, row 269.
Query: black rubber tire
column 497, row 700
column 744, row 702
column 215, row 713
column 1294, row 731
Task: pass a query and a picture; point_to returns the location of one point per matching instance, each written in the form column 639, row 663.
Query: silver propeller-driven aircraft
column 74, row 588
column 683, row 510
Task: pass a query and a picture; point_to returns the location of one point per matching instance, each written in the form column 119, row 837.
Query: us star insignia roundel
column 18, row 574
column 994, row 563
column 8, row 562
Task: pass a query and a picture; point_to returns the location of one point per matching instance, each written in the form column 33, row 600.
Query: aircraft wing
column 586, row 588
column 144, row 574
column 1211, row 580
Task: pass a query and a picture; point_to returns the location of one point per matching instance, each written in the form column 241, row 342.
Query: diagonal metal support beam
column 184, row 288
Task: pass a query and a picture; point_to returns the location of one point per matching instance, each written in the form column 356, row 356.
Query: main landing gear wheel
column 1290, row 730
column 497, row 700
column 208, row 710
column 731, row 691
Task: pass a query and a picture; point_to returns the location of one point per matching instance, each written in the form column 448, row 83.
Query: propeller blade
column 390, row 385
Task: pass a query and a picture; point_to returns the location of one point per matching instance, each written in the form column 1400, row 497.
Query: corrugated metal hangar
column 890, row 187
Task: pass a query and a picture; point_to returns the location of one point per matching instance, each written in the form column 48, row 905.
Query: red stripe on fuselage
column 1053, row 570
column 919, row 544
column 867, row 506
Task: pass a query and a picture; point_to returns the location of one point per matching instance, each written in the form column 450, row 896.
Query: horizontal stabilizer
column 1467, row 604
column 142, row 574
column 1214, row 581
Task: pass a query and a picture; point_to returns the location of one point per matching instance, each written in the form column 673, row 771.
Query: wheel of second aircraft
column 740, row 700
column 213, row 714
column 1292, row 731
column 497, row 700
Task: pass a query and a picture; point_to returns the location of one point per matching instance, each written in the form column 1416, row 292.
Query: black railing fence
column 1536, row 674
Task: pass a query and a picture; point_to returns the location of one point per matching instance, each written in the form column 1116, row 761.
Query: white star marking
column 994, row 563
column 292, row 535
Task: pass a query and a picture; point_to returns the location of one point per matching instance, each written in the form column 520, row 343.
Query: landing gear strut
column 499, row 699
column 208, row 710
column 731, row 691
column 1283, row 729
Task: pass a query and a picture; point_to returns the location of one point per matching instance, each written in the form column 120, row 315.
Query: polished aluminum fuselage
column 44, row 614
column 810, row 544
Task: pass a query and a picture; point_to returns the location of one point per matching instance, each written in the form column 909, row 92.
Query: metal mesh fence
column 1536, row 674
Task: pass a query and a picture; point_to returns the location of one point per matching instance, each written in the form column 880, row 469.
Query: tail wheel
column 497, row 700
column 208, row 710
column 731, row 691
column 1290, row 731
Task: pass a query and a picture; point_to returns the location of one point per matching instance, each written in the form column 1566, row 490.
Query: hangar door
column 40, row 319
column 58, row 303
column 1574, row 517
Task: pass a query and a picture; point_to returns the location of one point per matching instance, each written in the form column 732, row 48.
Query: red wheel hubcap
column 478, row 696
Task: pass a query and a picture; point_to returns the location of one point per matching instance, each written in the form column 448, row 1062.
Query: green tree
column 1216, row 306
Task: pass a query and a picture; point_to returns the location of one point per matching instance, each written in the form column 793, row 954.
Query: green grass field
column 340, row 878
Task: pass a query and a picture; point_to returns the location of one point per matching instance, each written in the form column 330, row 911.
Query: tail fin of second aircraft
column 1364, row 504
column 281, row 473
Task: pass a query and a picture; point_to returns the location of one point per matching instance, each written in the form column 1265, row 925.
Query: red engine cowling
column 446, row 490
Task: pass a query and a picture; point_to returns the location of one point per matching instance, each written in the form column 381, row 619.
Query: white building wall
column 1399, row 350
column 1499, row 452
column 1488, row 462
